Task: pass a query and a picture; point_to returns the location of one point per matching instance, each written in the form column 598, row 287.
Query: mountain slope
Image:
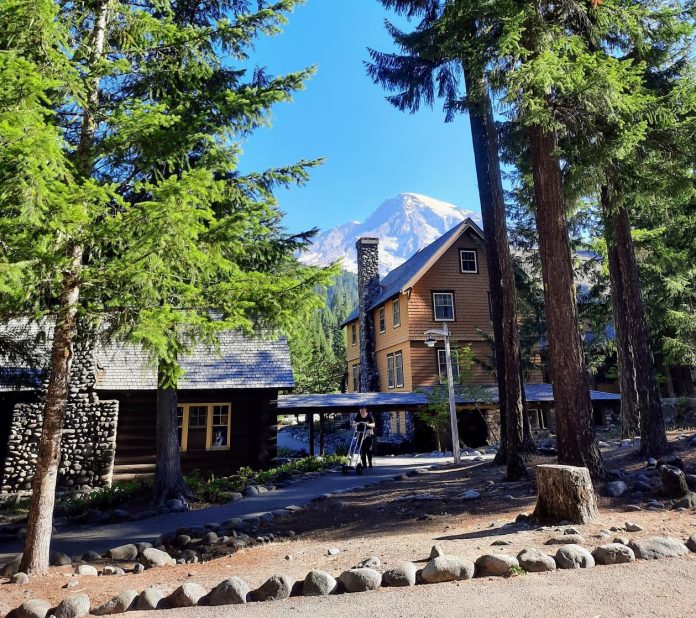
column 403, row 224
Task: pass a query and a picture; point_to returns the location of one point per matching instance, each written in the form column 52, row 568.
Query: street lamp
column 430, row 341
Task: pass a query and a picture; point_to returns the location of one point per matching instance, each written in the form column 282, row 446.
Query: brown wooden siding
column 353, row 351
column 470, row 294
column 424, row 363
column 392, row 335
column 252, row 439
column 404, row 348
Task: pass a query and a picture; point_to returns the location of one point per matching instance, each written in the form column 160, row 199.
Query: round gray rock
column 58, row 558
column 574, row 557
column 496, row 565
column 402, row 576
column 369, row 563
column 150, row 598
column 274, row 588
column 318, row 583
column 87, row 569
column 157, row 558
column 533, row 560
column 186, row 595
column 616, row 488
column 566, row 539
column 613, row 553
column 90, row 556
column 691, row 543
column 11, row 567
column 232, row 591
column 656, row 547
column 118, row 605
column 36, row 608
column 73, row 607
column 19, row 578
column 447, row 569
column 123, row 552
column 361, row 580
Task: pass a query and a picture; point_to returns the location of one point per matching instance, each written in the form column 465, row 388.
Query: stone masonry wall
column 88, row 444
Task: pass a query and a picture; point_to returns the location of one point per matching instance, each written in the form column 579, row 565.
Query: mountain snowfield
column 404, row 224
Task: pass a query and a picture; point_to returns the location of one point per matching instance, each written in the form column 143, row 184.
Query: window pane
column 468, row 261
column 180, row 423
column 221, row 423
column 399, row 363
column 390, row 370
column 444, row 306
column 198, row 416
column 382, row 321
column 396, row 312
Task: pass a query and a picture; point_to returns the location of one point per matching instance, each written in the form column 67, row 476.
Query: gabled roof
column 407, row 275
column 238, row 363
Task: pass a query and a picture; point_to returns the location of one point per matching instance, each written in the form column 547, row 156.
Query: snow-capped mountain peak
column 404, row 224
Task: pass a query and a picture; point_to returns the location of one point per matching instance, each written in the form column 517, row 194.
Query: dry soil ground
column 401, row 520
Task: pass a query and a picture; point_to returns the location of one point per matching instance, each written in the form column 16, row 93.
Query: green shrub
column 106, row 497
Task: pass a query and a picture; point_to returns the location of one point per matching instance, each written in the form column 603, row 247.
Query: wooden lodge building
column 227, row 413
column 445, row 282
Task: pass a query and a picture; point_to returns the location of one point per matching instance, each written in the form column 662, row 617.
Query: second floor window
column 356, row 377
column 468, row 261
column 391, row 377
column 353, row 333
column 382, row 320
column 396, row 312
column 442, row 367
column 443, row 306
column 395, row 370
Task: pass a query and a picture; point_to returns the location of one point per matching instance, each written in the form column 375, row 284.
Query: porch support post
column 310, row 421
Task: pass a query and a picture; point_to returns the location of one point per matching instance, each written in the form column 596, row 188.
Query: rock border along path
column 79, row 540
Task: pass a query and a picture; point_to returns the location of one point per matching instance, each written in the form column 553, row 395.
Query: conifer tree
column 120, row 199
column 434, row 57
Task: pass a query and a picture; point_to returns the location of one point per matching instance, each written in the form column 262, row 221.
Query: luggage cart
column 353, row 457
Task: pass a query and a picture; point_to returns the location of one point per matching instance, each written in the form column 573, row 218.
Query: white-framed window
column 397, row 421
column 396, row 312
column 354, row 333
column 538, row 418
column 399, row 368
column 382, row 320
column 442, row 366
column 356, row 377
column 204, row 426
column 391, row 376
column 468, row 260
column 443, row 306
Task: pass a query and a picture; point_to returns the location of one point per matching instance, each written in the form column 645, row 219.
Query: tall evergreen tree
column 434, row 58
column 120, row 202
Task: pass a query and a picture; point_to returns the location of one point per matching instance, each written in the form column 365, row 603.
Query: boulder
column 495, row 565
column 73, row 607
column 157, row 558
column 90, row 556
column 333, row 551
column 86, row 569
column 360, row 580
column 120, row 604
column 232, row 591
column 250, row 491
column 11, row 567
column 19, row 578
column 629, row 526
column 613, row 553
column 574, row 557
column 436, row 551
column 566, row 539
column 670, row 460
column 616, row 489
column 186, row 595
column 318, row 583
column 150, row 598
column 691, row 543
column 58, row 558
column 674, row 483
column 111, row 569
column 176, row 506
column 534, row 561
column 401, row 576
column 275, row 588
column 210, row 538
column 123, row 552
column 369, row 563
column 656, row 547
column 36, row 608
column 447, row 569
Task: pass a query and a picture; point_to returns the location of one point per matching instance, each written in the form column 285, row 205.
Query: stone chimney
column 368, row 291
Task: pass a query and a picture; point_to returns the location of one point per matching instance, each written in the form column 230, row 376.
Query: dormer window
column 468, row 260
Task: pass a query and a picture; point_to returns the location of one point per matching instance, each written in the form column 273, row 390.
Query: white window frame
column 354, row 334
column 382, row 320
column 391, row 371
column 396, row 312
column 356, row 377
column 442, row 366
column 435, row 306
column 399, row 364
column 461, row 261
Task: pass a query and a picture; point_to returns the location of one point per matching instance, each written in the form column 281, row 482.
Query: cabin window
column 443, row 306
column 353, row 333
column 442, row 367
column 203, row 426
column 356, row 376
column 391, row 378
column 396, row 312
column 399, row 368
column 382, row 320
column 397, row 422
column 468, row 260
column 538, row 418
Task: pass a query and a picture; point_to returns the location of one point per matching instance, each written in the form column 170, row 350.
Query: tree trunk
column 576, row 440
column 169, row 480
column 565, row 493
column 35, row 560
column 636, row 365
column 40, row 521
column 501, row 279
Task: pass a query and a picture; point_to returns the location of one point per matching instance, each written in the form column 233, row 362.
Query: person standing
column 364, row 424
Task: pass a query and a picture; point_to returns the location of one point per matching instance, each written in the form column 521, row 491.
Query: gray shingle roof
column 238, row 362
column 394, row 281
column 535, row 393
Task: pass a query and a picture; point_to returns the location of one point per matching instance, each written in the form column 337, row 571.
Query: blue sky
column 372, row 150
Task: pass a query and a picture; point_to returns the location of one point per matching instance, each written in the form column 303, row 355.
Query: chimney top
column 366, row 240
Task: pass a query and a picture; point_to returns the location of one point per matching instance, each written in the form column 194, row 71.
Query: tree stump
column 565, row 493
